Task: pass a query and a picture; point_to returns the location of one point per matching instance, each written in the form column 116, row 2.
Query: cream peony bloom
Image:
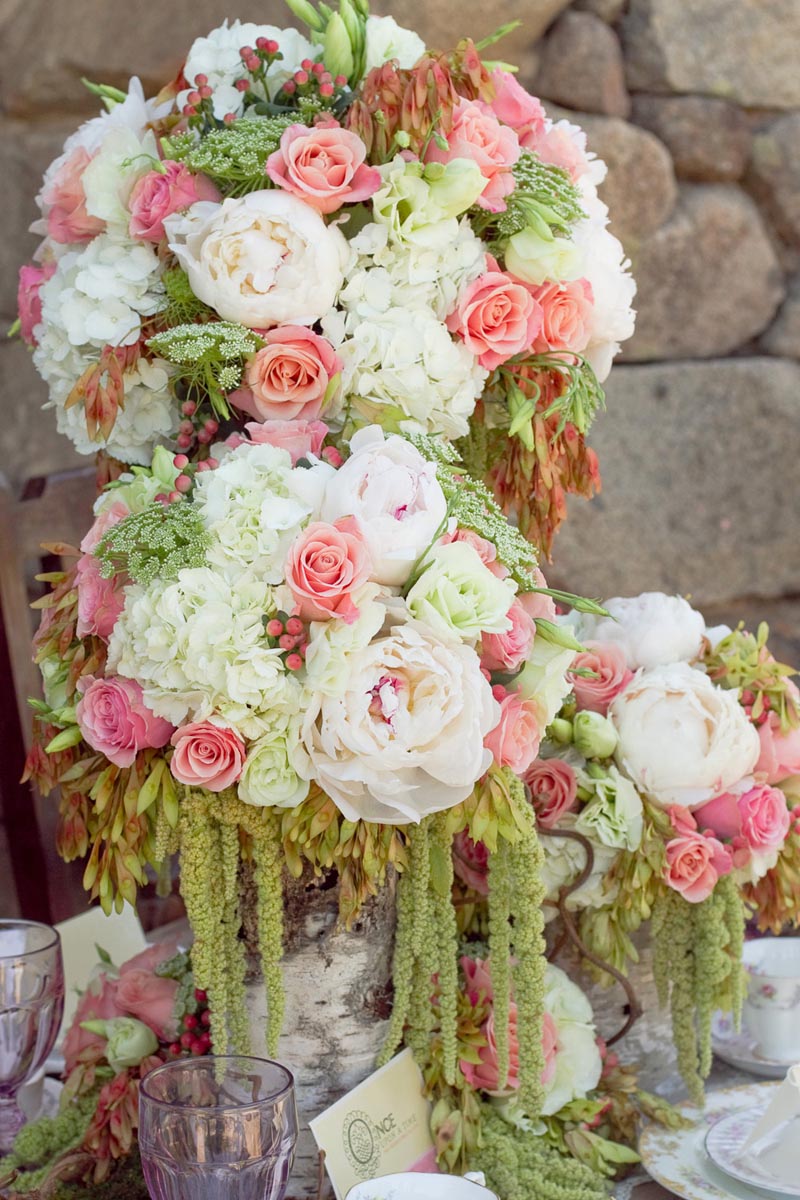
column 653, row 629
column 404, row 736
column 394, row 494
column 265, row 259
column 682, row 740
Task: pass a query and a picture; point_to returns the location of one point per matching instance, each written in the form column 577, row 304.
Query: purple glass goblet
column 217, row 1128
column 31, row 1007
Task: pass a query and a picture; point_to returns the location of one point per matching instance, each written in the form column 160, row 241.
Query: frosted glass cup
column 217, row 1128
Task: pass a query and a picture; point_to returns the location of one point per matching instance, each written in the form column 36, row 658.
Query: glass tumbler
column 31, row 1008
column 217, row 1128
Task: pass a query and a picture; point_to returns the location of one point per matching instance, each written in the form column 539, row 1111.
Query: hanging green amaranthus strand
column 233, row 944
column 402, row 967
column 426, row 941
column 446, row 929
column 500, row 953
column 530, row 961
column 268, row 858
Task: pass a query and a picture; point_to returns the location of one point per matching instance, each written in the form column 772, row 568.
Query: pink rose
column 486, row 552
column 152, row 957
column 299, row 438
column 515, row 107
column 324, row 165
column 478, row 135
column 538, row 605
column 496, row 318
column 765, row 817
column 100, row 601
column 478, row 977
column 116, row 722
column 160, row 193
column 98, row 1003
column 567, row 310
column 291, row 377
column 721, row 816
column 151, row 999
column 207, row 755
column 508, row 651
column 562, row 145
column 65, row 202
column 117, row 511
column 514, row 741
column 485, row 1076
column 694, row 864
column 780, row 752
column 471, row 862
column 29, row 303
column 553, row 788
column 325, row 566
column 609, row 664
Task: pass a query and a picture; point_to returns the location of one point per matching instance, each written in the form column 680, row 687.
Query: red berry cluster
column 185, row 480
column 312, row 78
column 196, row 1036
column 291, row 636
column 188, row 431
column 748, row 699
column 199, row 105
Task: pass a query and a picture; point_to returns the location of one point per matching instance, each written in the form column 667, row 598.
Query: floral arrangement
column 343, row 226
column 666, row 791
column 128, row 1020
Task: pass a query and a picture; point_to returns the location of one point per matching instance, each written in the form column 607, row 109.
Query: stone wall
column 696, row 108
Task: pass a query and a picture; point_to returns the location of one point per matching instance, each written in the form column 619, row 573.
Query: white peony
column 387, row 40
column 607, row 268
column 404, row 736
column 262, row 260
column 254, row 505
column 217, row 56
column 269, row 778
column 394, row 494
column 565, row 860
column 653, row 629
column 578, row 1064
column 682, row 740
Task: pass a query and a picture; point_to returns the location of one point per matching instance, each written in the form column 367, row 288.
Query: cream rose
column 458, row 596
column 681, row 739
column 263, row 260
column 404, row 736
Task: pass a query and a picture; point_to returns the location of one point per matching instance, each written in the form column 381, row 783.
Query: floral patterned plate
column 739, row 1049
column 677, row 1159
column 724, row 1142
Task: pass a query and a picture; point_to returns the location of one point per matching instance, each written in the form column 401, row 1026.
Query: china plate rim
column 739, row 1173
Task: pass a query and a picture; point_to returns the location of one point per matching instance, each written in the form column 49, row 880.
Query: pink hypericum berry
column 317, row 68
column 173, row 497
column 204, row 437
column 184, row 440
column 186, row 427
column 198, row 1047
column 275, row 628
column 183, row 484
column 174, row 1049
column 765, row 700
column 290, row 87
column 203, row 466
column 262, row 43
column 180, row 461
column 194, row 98
column 211, row 426
column 287, row 642
column 301, row 77
column 326, row 89
column 325, row 76
column 332, row 456
column 303, row 648
column 200, row 995
column 189, row 110
column 294, row 626
column 190, row 1022
column 246, row 52
column 340, row 80
column 307, row 64
column 293, row 662
column 188, row 408
column 229, row 118
column 205, row 1017
column 748, row 698
column 206, row 92
column 212, row 463
column 272, row 46
column 161, row 498
column 200, row 80
column 242, row 85
column 186, row 1040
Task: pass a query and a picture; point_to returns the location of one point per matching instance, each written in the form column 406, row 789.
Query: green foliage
column 182, row 307
column 578, row 403
column 209, row 357
column 154, row 544
column 235, row 156
column 545, row 199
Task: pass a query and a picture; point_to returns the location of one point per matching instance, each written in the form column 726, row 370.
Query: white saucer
column 724, row 1142
column 677, row 1159
column 739, row 1049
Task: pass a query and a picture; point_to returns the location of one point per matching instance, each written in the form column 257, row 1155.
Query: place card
column 381, row 1127
column 120, row 934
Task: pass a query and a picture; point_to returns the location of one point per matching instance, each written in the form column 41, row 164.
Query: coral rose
column 100, row 601
column 515, row 107
column 324, row 165
column 554, row 790
column 325, row 566
column 471, row 862
column 116, row 722
column 694, row 864
column 29, row 303
column 496, row 318
column 160, row 193
column 207, row 755
column 478, row 135
column 298, row 438
column 291, row 378
column 151, row 999
column 508, row 651
column 780, row 752
column 514, row 741
column 611, row 671
column 64, row 201
column 567, row 310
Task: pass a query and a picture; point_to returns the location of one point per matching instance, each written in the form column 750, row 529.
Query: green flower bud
column 128, row 1040
column 560, row 731
column 595, row 736
column 337, row 52
column 306, row 12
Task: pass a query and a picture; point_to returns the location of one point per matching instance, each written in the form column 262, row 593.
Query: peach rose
column 508, row 651
column 151, row 958
column 538, row 604
column 207, row 755
column 515, row 107
column 471, row 862
column 325, row 566
column 780, row 752
column 116, row 722
column 694, row 864
column 29, row 303
column 514, row 741
column 150, row 999
column 324, row 165
column 290, row 378
column 478, row 135
column 65, row 202
column 112, row 515
column 100, row 601
column 610, row 667
column 496, row 318
column 299, row 438
column 553, row 788
column 567, row 310
column 558, row 148
column 98, row 1003
column 160, row 193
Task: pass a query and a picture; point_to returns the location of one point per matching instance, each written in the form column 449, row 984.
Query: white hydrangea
column 217, row 56
column 387, row 40
column 578, row 1065
column 254, row 505
column 108, row 180
column 198, row 646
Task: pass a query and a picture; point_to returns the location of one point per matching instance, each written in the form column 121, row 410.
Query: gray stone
column 25, row 152
column 696, row 460
column 783, row 335
column 708, row 280
column 582, row 66
column 29, row 442
column 774, row 174
column 708, row 139
column 607, row 10
column 150, row 39
column 742, row 50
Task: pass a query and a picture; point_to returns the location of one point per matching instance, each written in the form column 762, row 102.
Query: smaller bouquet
column 128, row 1020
